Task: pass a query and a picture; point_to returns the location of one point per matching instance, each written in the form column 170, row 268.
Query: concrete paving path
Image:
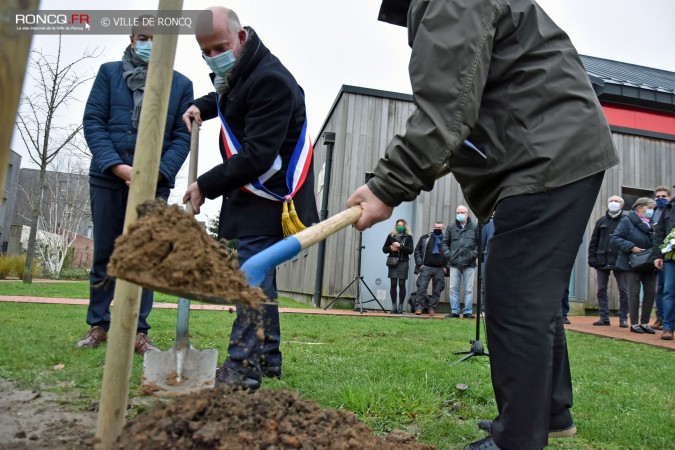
column 579, row 324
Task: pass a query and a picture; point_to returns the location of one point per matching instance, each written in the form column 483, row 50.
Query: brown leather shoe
column 95, row 336
column 667, row 335
column 143, row 344
column 658, row 325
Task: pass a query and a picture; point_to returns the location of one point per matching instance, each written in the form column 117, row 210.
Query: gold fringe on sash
column 290, row 222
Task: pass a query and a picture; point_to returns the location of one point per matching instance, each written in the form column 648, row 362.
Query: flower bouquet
column 668, row 246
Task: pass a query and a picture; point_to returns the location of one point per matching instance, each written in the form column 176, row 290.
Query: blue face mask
column 221, row 64
column 649, row 213
column 661, row 202
column 460, row 217
column 143, row 49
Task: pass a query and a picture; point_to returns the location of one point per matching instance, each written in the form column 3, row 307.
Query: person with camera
column 431, row 265
column 398, row 247
column 632, row 237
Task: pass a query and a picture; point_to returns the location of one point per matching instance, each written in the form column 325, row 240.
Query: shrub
column 5, row 266
column 74, row 274
column 19, row 265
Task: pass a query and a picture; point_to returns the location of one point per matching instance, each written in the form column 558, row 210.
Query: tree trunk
column 32, row 237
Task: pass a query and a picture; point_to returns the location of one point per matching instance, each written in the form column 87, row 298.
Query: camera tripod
column 476, row 345
column 358, row 279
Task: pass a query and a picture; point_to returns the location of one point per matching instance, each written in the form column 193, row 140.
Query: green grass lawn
column 80, row 289
column 391, row 372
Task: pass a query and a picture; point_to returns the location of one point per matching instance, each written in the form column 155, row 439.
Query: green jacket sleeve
column 451, row 50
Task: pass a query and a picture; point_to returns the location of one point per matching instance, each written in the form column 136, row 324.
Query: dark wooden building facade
column 639, row 104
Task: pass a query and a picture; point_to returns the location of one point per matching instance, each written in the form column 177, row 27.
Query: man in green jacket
column 501, row 74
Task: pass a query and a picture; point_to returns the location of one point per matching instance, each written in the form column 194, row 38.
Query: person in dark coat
column 633, row 235
column 663, row 228
column 662, row 196
column 460, row 247
column 110, row 124
column 502, row 75
column 432, row 266
column 399, row 245
column 602, row 257
column 263, row 138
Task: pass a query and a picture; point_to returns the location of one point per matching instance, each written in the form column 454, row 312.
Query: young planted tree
column 52, row 86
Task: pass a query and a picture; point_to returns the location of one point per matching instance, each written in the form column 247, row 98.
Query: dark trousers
column 565, row 307
column 435, row 275
column 648, row 281
column 248, row 354
column 532, row 252
column 108, row 207
column 603, row 301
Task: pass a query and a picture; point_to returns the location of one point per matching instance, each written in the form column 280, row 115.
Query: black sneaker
column 469, row 316
column 452, row 316
column 566, row 321
column 647, row 328
column 236, row 380
column 570, row 431
column 636, row 329
column 623, row 323
column 272, row 372
column 601, row 323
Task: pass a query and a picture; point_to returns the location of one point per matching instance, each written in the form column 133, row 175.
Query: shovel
column 256, row 267
column 182, row 369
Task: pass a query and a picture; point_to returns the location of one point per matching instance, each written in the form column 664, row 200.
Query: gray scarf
column 135, row 72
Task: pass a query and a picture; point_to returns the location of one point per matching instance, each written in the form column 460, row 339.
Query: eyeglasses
column 661, row 196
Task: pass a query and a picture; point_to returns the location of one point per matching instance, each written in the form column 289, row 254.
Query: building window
column 631, row 194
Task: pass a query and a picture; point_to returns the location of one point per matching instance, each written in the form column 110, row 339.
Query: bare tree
column 55, row 83
column 64, row 212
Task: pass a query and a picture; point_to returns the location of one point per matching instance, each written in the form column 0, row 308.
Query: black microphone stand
column 358, row 279
column 476, row 345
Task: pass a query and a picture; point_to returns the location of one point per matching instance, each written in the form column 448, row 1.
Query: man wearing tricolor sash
column 266, row 172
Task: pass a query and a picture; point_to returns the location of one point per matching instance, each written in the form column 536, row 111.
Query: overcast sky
column 328, row 43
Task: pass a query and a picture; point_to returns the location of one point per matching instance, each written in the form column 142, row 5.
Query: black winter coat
column 664, row 226
column 405, row 250
column 459, row 245
column 631, row 232
column 424, row 252
column 264, row 108
column 601, row 254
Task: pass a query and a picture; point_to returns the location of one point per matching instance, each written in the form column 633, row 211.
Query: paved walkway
column 579, row 323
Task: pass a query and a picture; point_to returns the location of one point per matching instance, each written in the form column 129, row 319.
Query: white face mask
column 614, row 207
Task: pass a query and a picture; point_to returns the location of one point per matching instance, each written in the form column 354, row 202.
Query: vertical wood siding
column 364, row 125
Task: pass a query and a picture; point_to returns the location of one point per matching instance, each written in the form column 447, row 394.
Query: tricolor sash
column 298, row 166
column 297, row 170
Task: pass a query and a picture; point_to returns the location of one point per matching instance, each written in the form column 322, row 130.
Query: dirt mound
column 266, row 419
column 167, row 250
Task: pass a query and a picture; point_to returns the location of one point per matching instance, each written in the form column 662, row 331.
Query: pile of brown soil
column 266, row 419
column 168, row 251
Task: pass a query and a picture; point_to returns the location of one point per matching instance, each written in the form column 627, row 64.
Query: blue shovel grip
column 257, row 266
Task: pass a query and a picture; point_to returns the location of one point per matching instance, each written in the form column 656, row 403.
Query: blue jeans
column 456, row 276
column 247, row 353
column 658, row 300
column 108, row 207
column 668, row 295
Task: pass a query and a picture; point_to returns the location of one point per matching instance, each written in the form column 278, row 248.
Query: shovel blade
column 160, row 377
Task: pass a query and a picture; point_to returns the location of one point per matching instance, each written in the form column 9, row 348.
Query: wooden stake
column 14, row 50
column 120, row 347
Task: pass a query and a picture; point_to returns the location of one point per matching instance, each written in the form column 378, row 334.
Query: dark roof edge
column 644, row 133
